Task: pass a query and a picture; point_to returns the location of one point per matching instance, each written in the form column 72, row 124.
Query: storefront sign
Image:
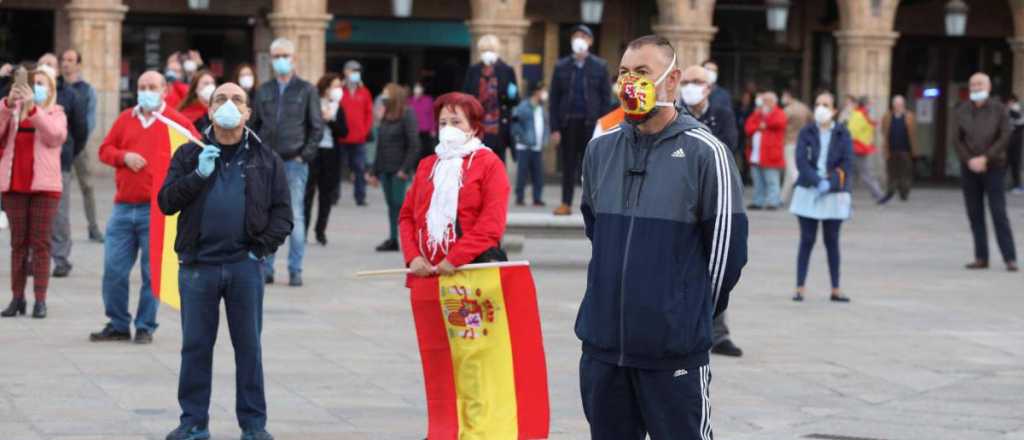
column 416, row 33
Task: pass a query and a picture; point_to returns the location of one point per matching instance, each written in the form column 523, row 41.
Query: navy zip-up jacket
column 840, row 157
column 664, row 214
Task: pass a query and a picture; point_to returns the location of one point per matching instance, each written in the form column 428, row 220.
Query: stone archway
column 688, row 25
column 866, row 38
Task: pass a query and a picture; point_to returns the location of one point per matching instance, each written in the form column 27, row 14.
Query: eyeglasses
column 221, row 99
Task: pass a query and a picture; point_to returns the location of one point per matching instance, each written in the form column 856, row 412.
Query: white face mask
column 579, row 46
column 822, row 115
column 489, row 57
column 692, row 94
column 335, row 94
column 417, row 91
column 206, row 93
column 190, row 66
column 544, row 96
column 712, row 77
column 246, row 81
column 979, row 96
column 451, row 137
column 758, row 102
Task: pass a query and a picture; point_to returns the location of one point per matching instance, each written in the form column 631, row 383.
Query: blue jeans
column 767, row 191
column 297, row 174
column 530, row 165
column 202, row 287
column 355, row 158
column 127, row 236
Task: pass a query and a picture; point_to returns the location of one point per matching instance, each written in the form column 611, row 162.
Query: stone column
column 304, row 22
column 1017, row 46
column 95, row 28
column 865, row 65
column 504, row 20
column 687, row 24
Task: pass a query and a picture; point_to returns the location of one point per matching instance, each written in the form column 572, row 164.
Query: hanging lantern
column 401, row 8
column 778, row 14
column 591, row 10
column 956, row 18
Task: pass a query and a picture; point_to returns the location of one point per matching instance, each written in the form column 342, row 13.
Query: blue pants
column 127, row 237
column 202, row 287
column 808, row 234
column 767, row 190
column 355, row 158
column 623, row 403
column 297, row 174
column 530, row 165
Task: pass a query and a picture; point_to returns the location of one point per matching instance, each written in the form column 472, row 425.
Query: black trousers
column 976, row 187
column 427, row 144
column 575, row 136
column 496, row 144
column 1013, row 154
column 324, row 178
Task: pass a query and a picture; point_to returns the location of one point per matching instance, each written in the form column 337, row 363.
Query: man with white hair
column 493, row 83
column 981, row 134
column 286, row 114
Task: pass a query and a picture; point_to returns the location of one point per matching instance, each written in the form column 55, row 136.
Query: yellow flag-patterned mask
column 638, row 96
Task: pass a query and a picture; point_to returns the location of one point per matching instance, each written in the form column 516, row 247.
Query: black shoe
column 108, row 334
column 772, row 208
column 753, row 207
column 886, row 199
column 185, row 432
column 362, row 204
column 388, row 245
column 257, row 434
column 798, row 297
column 16, row 307
column 1011, row 266
column 839, row 298
column 539, row 204
column 321, row 238
column 62, row 270
column 269, row 279
column 143, row 337
column 39, row 310
column 520, row 202
column 976, row 265
column 95, row 235
column 295, row 279
column 727, row 348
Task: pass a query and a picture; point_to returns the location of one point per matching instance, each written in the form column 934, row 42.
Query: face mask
column 282, row 66
column 712, row 77
column 579, row 46
column 758, row 102
column 227, row 116
column 979, row 96
column 822, row 115
column 171, row 75
column 1015, row 107
column 149, row 100
column 417, row 91
column 206, row 92
column 451, row 137
column 246, row 81
column 544, row 96
column 40, row 93
column 189, row 66
column 335, row 95
column 639, row 96
column 355, row 77
column 692, row 94
column 489, row 57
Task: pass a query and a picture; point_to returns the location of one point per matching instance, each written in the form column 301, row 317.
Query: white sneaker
column 3, row 220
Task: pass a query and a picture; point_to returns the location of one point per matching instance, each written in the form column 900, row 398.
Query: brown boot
column 1011, row 266
column 563, row 210
column 979, row 264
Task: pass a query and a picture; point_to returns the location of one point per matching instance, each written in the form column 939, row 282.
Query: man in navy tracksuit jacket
column 663, row 207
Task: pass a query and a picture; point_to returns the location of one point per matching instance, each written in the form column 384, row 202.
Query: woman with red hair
column 455, row 211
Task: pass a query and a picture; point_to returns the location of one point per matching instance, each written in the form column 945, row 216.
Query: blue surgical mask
column 171, row 75
column 149, row 100
column 355, row 77
column 40, row 93
column 227, row 116
column 282, row 66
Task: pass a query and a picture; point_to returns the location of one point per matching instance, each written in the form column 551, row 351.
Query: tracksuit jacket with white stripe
column 664, row 214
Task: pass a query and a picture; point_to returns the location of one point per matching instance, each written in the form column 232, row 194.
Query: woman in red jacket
column 196, row 104
column 32, row 130
column 766, row 128
column 455, row 211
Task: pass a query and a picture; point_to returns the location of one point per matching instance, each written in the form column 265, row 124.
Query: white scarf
column 444, row 202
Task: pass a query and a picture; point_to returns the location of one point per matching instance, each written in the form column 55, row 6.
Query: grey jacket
column 298, row 128
column 398, row 145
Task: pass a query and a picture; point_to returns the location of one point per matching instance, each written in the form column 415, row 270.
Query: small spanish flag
column 163, row 261
column 483, row 354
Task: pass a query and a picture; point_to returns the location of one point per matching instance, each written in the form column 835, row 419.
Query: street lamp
column 590, row 11
column 777, row 14
column 199, row 4
column 956, row 18
column 402, row 8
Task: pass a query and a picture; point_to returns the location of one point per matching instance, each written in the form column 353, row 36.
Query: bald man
column 493, row 82
column 234, row 209
column 137, row 147
column 981, row 133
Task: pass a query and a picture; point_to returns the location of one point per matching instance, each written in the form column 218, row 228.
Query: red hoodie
column 483, row 208
column 151, row 139
column 358, row 107
column 773, row 137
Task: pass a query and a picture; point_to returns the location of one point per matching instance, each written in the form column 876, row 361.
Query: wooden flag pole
column 390, row 272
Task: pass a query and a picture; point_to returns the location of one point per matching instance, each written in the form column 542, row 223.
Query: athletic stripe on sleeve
column 723, row 216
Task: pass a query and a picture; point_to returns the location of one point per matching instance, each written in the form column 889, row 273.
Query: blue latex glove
column 824, row 186
column 207, row 161
column 253, row 257
column 513, row 91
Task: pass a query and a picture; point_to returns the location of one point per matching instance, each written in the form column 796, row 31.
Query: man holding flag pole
column 139, row 147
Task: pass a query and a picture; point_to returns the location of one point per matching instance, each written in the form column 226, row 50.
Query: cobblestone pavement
column 925, row 351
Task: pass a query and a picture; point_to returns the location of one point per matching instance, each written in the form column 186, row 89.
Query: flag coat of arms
column 163, row 261
column 483, row 355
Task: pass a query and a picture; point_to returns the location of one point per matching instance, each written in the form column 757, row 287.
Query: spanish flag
column 483, row 355
column 163, row 261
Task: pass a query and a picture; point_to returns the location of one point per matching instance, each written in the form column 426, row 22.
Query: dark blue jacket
column 722, row 122
column 506, row 75
column 840, row 157
column 597, row 90
column 664, row 214
column 78, row 125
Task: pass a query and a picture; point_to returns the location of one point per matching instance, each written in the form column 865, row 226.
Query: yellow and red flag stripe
column 483, row 354
column 163, row 229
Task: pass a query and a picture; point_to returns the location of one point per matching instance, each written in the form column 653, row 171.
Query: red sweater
column 482, row 215
column 773, row 136
column 194, row 112
column 151, row 140
column 358, row 114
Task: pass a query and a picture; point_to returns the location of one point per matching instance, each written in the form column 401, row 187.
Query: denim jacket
column 522, row 126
